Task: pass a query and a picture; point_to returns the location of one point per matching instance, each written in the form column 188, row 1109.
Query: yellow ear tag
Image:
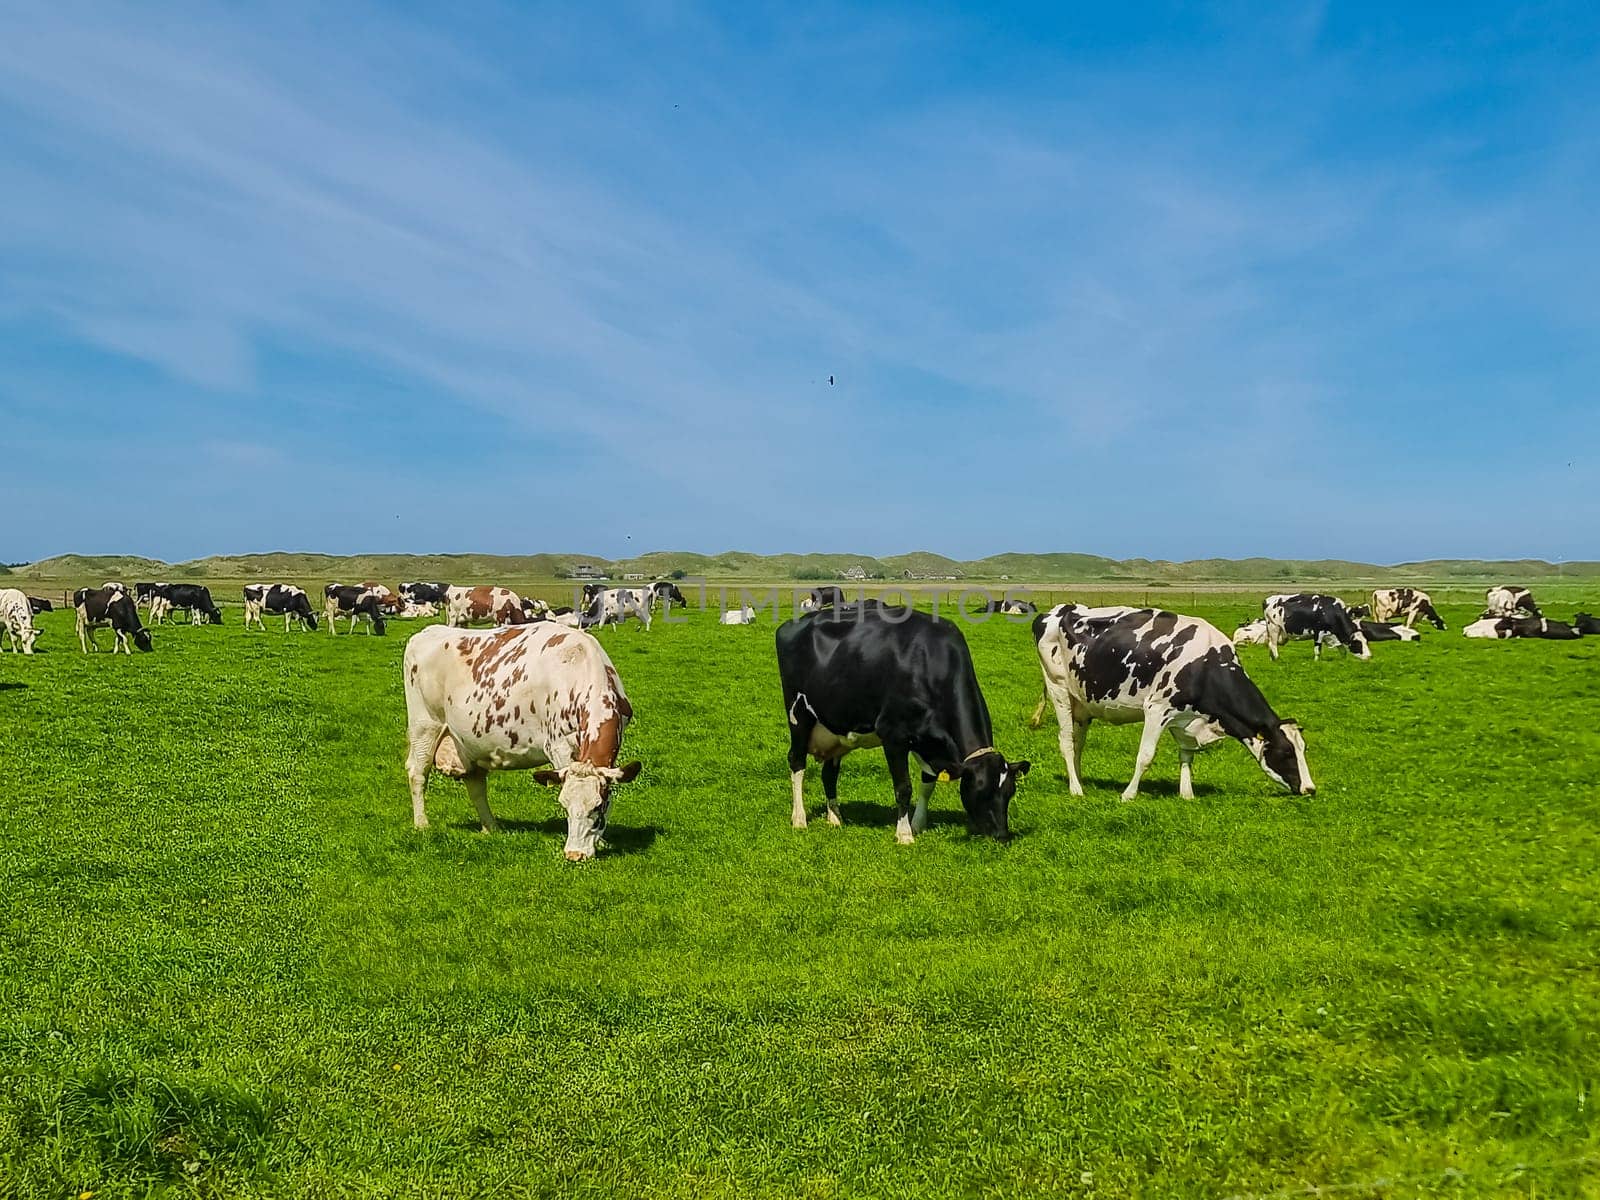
column 944, row 776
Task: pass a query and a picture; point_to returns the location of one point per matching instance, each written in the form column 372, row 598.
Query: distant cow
column 1407, row 603
column 590, row 591
column 1253, row 633
column 425, row 593
column 277, row 598
column 1383, row 631
column 1510, row 602
column 111, row 606
column 872, row 675
column 1520, row 627
column 565, row 615
column 16, row 621
column 142, row 592
column 358, row 603
column 388, row 601
column 1359, row 612
column 508, row 699
column 412, row 610
column 613, row 606
column 38, row 604
column 822, row 597
column 474, row 605
column 739, row 616
column 1586, row 624
column 190, row 598
column 1322, row 619
column 1173, row 673
column 665, row 593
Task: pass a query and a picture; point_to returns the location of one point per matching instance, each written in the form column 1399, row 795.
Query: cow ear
column 1021, row 768
column 630, row 772
column 548, row 778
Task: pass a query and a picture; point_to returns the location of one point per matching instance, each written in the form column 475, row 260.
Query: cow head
column 1429, row 613
column 1281, row 751
column 1360, row 610
column 988, row 782
column 141, row 639
column 586, row 796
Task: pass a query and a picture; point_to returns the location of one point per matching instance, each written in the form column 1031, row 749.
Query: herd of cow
column 538, row 691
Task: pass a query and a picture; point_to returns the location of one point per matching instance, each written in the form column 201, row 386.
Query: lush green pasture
column 229, row 965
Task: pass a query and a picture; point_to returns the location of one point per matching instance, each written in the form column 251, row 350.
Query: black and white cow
column 1171, row 672
column 191, row 598
column 823, row 597
column 275, row 598
column 1510, row 602
column 358, row 602
column 1383, row 631
column 665, row 593
column 418, row 594
column 111, row 606
column 1408, row 603
column 590, row 591
column 142, row 592
column 613, row 606
column 1521, row 627
column 16, row 621
column 38, row 604
column 856, row 676
column 1586, row 624
column 1322, row 619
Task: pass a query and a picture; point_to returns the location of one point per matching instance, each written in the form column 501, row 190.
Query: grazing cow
column 1410, row 603
column 1174, row 673
column 16, row 621
column 357, row 603
column 192, row 598
column 292, row 602
column 1586, row 624
column 1510, row 602
column 1253, row 633
column 1521, row 627
column 615, row 605
column 38, row 604
column 425, row 593
column 388, row 602
column 857, row 676
column 469, row 605
column 111, row 606
column 739, row 616
column 508, row 699
column 143, row 592
column 1383, row 631
column 665, row 593
column 1323, row 619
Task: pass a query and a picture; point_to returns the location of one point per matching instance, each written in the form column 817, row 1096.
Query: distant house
column 586, row 571
column 910, row 574
column 630, row 576
column 855, row 573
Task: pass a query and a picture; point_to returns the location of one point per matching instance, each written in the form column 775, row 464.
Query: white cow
column 507, row 699
column 613, row 606
column 739, row 616
column 1510, row 602
column 16, row 620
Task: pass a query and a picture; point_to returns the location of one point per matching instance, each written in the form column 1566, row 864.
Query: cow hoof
column 834, row 818
column 577, row 856
column 1129, row 797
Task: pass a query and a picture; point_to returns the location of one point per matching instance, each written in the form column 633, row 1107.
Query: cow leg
column 478, row 788
column 1148, row 741
column 801, row 722
column 1185, row 777
column 900, row 773
column 1074, row 732
column 419, row 762
column 919, row 815
column 1273, row 639
column 83, row 636
column 830, row 789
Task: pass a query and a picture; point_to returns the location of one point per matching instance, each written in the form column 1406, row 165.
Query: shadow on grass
column 12, row 687
column 1148, row 786
column 860, row 812
column 619, row 839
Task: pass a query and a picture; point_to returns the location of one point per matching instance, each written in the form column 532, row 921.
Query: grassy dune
column 230, row 967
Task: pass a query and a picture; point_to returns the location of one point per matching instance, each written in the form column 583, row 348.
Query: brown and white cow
column 473, row 605
column 539, row 696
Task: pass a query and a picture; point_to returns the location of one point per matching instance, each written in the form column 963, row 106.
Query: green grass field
column 229, row 966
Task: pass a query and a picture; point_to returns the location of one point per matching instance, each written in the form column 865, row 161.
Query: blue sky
column 1189, row 281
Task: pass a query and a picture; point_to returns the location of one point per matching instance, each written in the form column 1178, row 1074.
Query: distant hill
column 921, row 564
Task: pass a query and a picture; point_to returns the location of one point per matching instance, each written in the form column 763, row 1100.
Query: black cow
column 1310, row 615
column 425, row 593
column 292, row 602
column 1173, row 673
column 111, row 606
column 356, row 601
column 856, row 676
column 143, row 591
column 191, row 598
column 1586, row 624
column 822, row 597
column 38, row 604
